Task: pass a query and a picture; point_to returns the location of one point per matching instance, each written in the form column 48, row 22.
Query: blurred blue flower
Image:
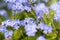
column 40, row 9
column 41, row 38
column 28, row 9
column 56, row 8
column 3, row 29
column 3, row 13
column 22, row 1
column 46, row 29
column 30, row 29
column 41, row 26
column 9, row 1
column 13, row 23
column 57, row 17
column 8, row 34
column 28, row 21
column 18, row 5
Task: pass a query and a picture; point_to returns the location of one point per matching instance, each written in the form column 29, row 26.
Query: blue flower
column 56, row 8
column 28, row 9
column 19, row 5
column 41, row 26
column 30, row 29
column 3, row 13
column 9, row 1
column 57, row 17
column 46, row 29
column 30, row 26
column 13, row 23
column 41, row 38
column 8, row 34
column 28, row 21
column 22, row 1
column 40, row 9
column 3, row 29
column 2, row 4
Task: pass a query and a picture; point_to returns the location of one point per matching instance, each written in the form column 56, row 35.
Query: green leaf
column 21, row 15
column 48, row 18
column 50, row 2
column 9, row 28
column 1, row 0
column 17, row 34
column 57, row 25
column 22, row 29
column 33, row 14
column 1, row 36
column 51, row 36
column 1, row 19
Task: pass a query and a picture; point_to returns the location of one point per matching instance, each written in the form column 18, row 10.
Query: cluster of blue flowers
column 30, row 25
column 56, row 8
column 46, row 29
column 30, row 29
column 13, row 23
column 40, row 10
column 18, row 5
column 7, row 34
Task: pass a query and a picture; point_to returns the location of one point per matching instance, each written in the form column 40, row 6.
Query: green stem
column 27, row 37
column 25, row 14
column 33, row 14
column 53, row 26
column 22, row 34
column 13, row 14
